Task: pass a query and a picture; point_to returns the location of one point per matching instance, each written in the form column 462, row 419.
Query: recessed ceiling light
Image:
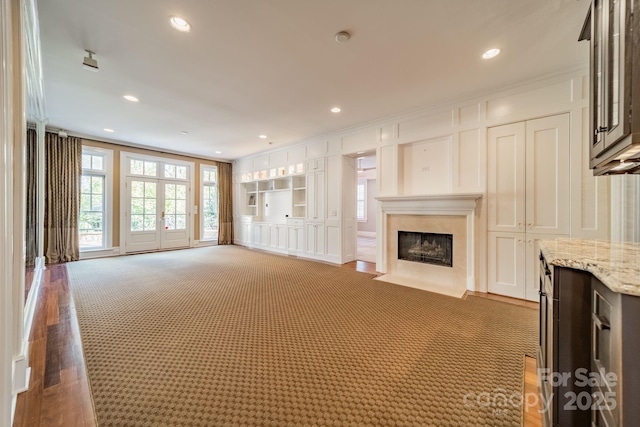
column 179, row 24
column 336, row 109
column 131, row 98
column 184, row 132
column 491, row 53
column 108, row 130
column 360, row 152
column 262, row 136
column 218, row 152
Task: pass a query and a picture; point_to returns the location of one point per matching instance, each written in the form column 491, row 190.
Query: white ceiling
column 251, row 67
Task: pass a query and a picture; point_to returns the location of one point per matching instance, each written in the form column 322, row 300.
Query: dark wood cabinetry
column 612, row 27
column 564, row 342
column 615, row 339
column 588, row 367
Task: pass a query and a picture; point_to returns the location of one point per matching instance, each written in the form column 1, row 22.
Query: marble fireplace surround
column 460, row 208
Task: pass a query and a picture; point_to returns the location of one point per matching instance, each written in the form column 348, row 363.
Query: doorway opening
column 366, row 206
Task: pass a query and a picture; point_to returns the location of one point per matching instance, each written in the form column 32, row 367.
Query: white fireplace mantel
column 449, row 201
column 462, row 204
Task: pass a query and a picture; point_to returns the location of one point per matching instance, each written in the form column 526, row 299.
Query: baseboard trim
column 100, row 253
column 204, row 243
column 367, row 233
column 32, row 299
column 21, row 370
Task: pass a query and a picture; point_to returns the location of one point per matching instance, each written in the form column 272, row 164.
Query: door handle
column 600, row 322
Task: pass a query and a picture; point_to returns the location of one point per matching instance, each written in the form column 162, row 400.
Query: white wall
column 442, row 149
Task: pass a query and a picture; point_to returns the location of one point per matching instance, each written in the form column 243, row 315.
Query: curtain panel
column 63, row 174
column 31, row 214
column 225, row 204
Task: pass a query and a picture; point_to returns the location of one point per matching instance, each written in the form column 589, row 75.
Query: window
column 142, row 167
column 95, row 194
column 361, row 200
column 209, row 222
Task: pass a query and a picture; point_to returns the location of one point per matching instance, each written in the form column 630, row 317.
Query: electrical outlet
column 334, row 213
column 426, row 169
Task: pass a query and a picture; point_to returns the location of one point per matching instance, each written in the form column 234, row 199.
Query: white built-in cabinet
column 528, row 198
column 278, row 237
column 315, row 189
column 315, row 226
column 315, row 242
column 295, row 232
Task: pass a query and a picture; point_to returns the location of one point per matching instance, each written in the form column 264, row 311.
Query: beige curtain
column 63, row 173
column 31, row 215
column 225, row 204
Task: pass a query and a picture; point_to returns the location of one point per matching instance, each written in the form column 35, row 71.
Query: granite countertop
column 616, row 264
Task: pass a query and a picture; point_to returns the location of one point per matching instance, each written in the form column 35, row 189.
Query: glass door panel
column 142, row 215
column 175, row 216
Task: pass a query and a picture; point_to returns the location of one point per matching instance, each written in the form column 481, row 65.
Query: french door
column 156, row 215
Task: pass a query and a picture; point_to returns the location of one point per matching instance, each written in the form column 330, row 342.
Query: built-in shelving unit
column 260, row 201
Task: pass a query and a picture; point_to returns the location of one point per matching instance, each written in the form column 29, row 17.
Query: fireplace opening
column 427, row 248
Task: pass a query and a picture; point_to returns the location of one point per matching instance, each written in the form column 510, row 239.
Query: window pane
column 181, row 206
column 169, row 171
column 137, row 167
column 181, row 192
column 181, row 172
column 86, row 184
column 150, row 168
column 96, row 202
column 97, row 163
column 170, row 191
column 169, row 206
column 86, row 161
column 150, row 206
column 149, row 222
column 169, row 222
column 137, row 189
column 137, row 222
column 96, row 184
column 181, row 222
column 150, row 190
column 85, row 202
column 137, row 206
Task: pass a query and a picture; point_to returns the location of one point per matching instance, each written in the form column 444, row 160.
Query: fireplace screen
column 428, row 248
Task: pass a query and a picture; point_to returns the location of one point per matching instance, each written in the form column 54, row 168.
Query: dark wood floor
column 59, row 393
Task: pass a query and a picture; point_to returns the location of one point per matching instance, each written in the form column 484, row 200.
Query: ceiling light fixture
column 180, row 24
column 131, row 98
column 108, row 130
column 218, row 152
column 491, row 53
column 184, row 132
column 342, row 36
column 262, row 136
column 89, row 62
column 336, row 109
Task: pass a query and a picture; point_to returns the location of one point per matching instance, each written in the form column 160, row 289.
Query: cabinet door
column 597, row 79
column 547, row 175
column 532, row 264
column 300, row 238
column 506, row 178
column 282, row 237
column 506, row 259
column 315, row 196
column 616, row 94
column 245, row 232
column 273, row 236
column 310, row 235
column 256, row 238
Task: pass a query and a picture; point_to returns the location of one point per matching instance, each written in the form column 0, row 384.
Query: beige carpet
column 229, row 336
